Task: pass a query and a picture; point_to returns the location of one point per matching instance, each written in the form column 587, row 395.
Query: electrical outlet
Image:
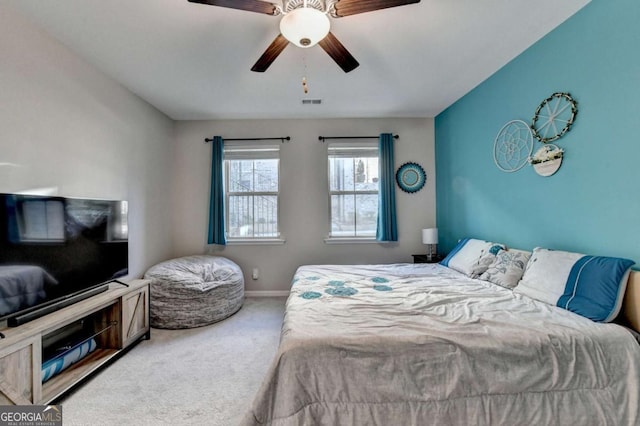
column 255, row 274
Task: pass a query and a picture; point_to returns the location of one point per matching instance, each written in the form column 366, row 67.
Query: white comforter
column 424, row 345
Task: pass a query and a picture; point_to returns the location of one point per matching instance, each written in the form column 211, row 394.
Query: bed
column 425, row 344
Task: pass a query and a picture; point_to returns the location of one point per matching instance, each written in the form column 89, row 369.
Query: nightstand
column 423, row 258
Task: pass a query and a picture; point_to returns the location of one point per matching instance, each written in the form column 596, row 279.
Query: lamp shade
column 305, row 27
column 430, row 236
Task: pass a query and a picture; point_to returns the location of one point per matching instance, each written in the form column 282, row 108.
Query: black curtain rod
column 324, row 138
column 282, row 139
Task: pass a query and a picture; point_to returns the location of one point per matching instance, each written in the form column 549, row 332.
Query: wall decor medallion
column 547, row 160
column 554, row 117
column 411, row 177
column 513, row 146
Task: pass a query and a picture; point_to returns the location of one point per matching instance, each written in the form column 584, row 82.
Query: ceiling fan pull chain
column 304, row 77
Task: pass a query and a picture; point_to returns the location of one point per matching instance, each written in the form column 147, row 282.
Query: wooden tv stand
column 119, row 318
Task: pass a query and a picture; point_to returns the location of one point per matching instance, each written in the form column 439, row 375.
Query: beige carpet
column 201, row 376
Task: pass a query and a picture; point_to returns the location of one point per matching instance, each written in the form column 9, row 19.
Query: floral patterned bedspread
column 422, row 344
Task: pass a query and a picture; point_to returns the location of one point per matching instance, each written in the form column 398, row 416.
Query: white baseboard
column 266, row 293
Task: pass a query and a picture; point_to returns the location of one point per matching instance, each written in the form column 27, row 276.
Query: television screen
column 53, row 247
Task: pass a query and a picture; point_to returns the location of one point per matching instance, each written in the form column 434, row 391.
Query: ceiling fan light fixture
column 305, row 27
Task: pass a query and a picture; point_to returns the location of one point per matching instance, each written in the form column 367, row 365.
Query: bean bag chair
column 194, row 291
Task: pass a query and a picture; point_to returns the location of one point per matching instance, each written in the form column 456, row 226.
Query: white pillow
column 591, row 286
column 546, row 274
column 466, row 256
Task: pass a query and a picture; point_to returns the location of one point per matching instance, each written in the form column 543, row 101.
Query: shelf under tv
column 59, row 384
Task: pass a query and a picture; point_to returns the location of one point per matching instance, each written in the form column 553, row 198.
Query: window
column 251, row 191
column 353, row 190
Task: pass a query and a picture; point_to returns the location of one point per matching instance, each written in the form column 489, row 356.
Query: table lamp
column 430, row 238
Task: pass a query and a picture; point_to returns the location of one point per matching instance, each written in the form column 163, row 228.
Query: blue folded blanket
column 59, row 363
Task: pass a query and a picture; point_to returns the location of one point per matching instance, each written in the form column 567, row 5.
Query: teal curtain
column 216, row 200
column 387, row 228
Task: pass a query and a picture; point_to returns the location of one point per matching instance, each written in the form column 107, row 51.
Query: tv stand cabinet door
column 135, row 315
column 20, row 373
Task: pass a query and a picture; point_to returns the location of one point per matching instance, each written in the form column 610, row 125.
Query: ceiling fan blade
column 275, row 48
column 338, row 52
column 250, row 5
column 352, row 7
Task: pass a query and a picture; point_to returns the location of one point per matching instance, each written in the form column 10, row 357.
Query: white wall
column 67, row 127
column 304, row 209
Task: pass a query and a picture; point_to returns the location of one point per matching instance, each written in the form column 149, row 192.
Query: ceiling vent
column 311, row 101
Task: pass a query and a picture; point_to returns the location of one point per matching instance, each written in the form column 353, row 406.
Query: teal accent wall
column 592, row 204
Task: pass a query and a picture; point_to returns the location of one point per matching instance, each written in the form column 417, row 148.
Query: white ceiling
column 193, row 61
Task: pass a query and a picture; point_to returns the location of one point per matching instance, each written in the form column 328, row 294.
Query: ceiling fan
column 306, row 23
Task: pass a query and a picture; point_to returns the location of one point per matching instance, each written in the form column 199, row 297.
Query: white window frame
column 349, row 150
column 246, row 151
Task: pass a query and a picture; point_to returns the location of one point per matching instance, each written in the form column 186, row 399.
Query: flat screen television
column 55, row 251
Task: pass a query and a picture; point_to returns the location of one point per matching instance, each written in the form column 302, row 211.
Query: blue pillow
column 591, row 286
